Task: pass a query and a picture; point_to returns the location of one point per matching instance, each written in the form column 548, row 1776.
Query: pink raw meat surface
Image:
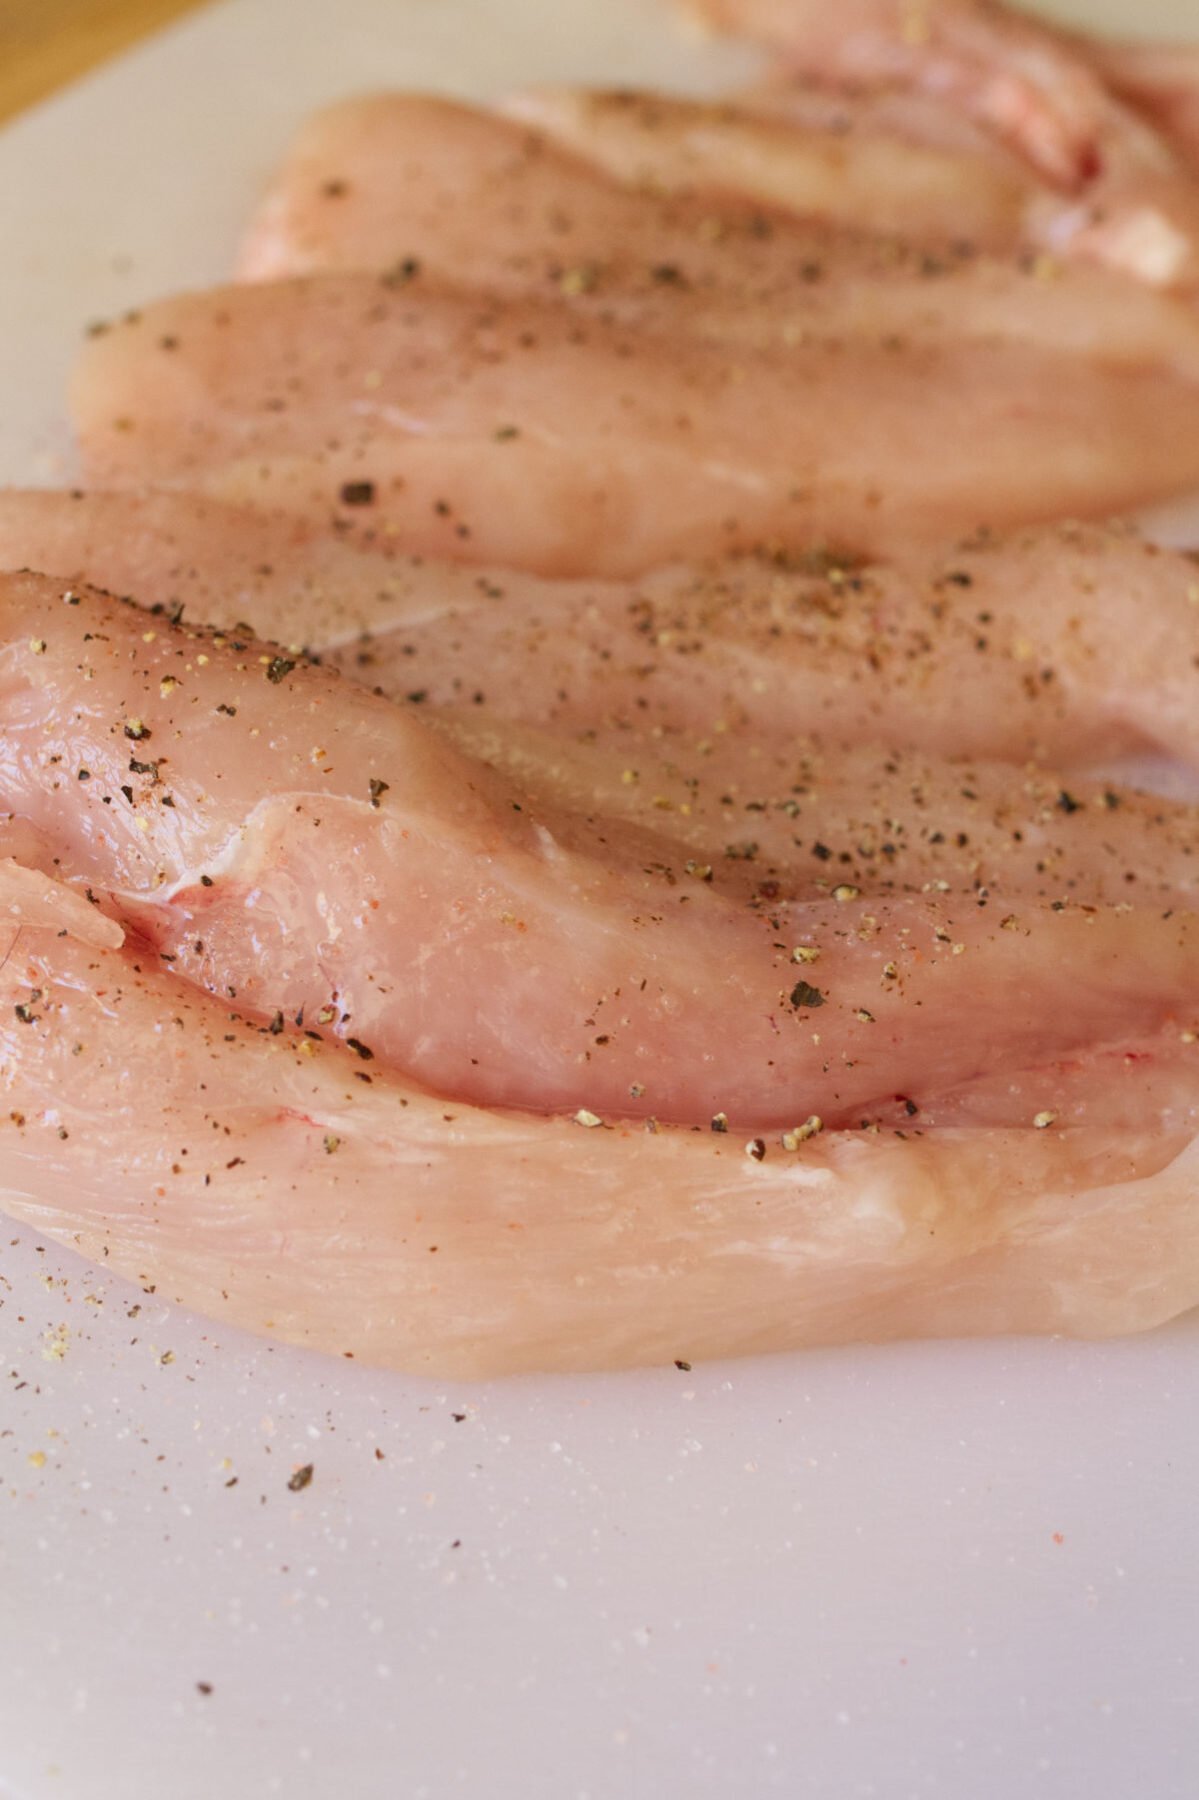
column 568, row 795
column 1126, row 196
column 276, row 1188
column 521, row 431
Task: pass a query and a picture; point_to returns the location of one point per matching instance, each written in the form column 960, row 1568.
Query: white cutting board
column 931, row 1572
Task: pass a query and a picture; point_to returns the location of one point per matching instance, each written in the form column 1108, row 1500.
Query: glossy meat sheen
column 1131, row 201
column 825, row 160
column 477, row 200
column 1066, row 645
column 520, row 433
column 302, row 848
column 278, row 1189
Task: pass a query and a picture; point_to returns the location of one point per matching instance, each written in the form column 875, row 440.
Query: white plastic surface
column 931, row 1572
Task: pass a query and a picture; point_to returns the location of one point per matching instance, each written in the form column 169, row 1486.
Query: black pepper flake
column 136, row 730
column 364, row 1053
column 84, row 775
column 681, row 1363
column 1068, row 803
column 301, row 1479
column 276, row 1025
column 278, row 669
column 358, row 493
column 419, row 697
column 205, row 1687
column 821, row 852
column 143, row 768
column 804, row 994
column 25, row 1013
column 720, row 1121
column 401, row 273
column 378, row 789
column 128, row 793
column 206, row 881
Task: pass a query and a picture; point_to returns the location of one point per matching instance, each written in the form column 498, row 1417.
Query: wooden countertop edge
column 54, row 42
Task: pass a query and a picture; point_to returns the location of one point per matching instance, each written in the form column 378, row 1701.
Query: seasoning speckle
column 800, row 1135
column 358, row 493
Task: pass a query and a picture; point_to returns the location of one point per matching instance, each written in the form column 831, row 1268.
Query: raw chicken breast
column 307, row 851
column 272, row 1182
column 1130, row 201
column 1067, row 645
column 376, row 180
column 841, row 162
column 475, row 200
column 1015, row 76
column 521, row 433
column 386, row 175
column 877, row 817
column 798, row 822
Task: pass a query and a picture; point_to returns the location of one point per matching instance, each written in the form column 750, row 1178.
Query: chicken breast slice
column 310, row 852
column 886, row 817
column 272, row 1182
column 407, row 182
column 515, row 432
column 1064, row 645
column 841, row 160
column 1129, row 200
